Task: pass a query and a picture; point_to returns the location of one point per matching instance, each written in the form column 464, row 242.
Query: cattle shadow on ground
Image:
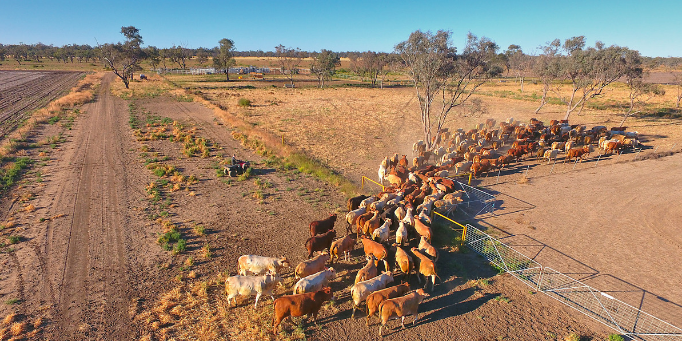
column 453, row 304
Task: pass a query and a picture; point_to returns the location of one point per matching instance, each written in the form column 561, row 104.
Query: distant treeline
column 87, row 53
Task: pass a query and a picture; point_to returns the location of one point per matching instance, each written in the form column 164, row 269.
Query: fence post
column 673, row 147
column 470, row 175
column 551, row 170
column 464, row 233
column 575, row 163
column 598, row 160
column 498, row 176
column 282, row 139
column 362, row 187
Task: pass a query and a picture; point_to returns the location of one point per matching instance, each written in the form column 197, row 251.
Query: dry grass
column 199, row 311
column 18, row 328
column 9, row 319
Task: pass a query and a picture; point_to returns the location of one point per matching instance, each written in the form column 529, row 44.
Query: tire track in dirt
column 85, row 261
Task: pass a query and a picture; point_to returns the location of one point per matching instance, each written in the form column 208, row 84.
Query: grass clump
column 616, row 337
column 247, row 174
column 244, row 103
column 13, row 301
column 180, row 246
column 10, row 174
column 200, row 230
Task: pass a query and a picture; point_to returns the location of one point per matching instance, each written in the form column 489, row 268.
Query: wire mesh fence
column 475, row 201
column 602, row 307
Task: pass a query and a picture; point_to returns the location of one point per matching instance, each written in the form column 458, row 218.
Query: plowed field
column 23, row 91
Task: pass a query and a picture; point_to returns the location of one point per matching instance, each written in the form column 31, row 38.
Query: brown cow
column 400, row 307
column 322, row 226
column 299, row 305
column 377, row 249
column 403, row 161
column 376, row 298
column 319, row 242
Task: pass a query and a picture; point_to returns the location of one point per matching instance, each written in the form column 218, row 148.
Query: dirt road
column 83, row 267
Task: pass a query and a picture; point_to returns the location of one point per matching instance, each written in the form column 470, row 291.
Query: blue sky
column 652, row 27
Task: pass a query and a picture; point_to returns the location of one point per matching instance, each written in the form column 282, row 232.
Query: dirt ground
column 90, row 266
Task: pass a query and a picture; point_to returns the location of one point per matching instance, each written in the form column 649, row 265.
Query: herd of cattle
column 394, row 227
column 478, row 150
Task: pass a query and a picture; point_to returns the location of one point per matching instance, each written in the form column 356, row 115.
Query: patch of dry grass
column 199, row 311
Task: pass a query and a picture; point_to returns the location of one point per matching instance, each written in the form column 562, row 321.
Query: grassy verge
column 280, row 155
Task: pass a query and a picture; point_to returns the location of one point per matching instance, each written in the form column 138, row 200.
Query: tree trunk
column 227, row 74
column 521, row 83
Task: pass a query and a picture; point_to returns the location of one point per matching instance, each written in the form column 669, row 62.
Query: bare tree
column 442, row 78
column 289, row 60
column 225, row 57
column 324, row 65
column 123, row 58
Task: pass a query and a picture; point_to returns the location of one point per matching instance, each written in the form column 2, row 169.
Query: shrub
column 169, row 237
column 200, row 230
column 243, row 102
column 14, row 239
column 616, row 337
column 180, row 247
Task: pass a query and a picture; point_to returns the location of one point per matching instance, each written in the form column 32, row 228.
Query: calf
column 551, row 154
column 354, row 202
column 400, row 307
column 361, row 290
column 426, row 248
column 401, row 234
column 258, row 265
column 322, row 226
column 427, row 268
column 372, row 224
column 404, row 261
column 299, row 305
column 343, row 246
column 368, row 271
column 382, row 233
column 423, row 229
column 311, row 266
column 250, row 285
column 315, row 281
column 319, row 242
column 376, row 298
column 352, row 217
column 376, row 249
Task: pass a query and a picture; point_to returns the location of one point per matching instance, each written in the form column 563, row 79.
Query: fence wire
column 624, row 318
column 475, row 201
